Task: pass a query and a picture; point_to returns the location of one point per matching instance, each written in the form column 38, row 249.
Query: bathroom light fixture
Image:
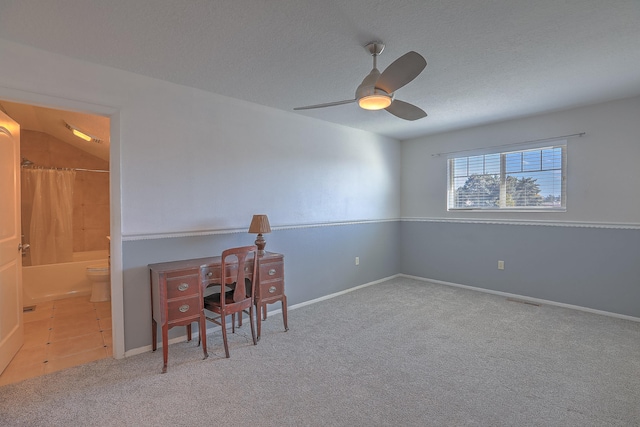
column 82, row 135
column 260, row 224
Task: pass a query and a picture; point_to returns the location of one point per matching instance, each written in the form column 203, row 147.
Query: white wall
column 192, row 160
column 603, row 168
column 184, row 160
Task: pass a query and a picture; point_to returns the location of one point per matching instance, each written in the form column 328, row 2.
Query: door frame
column 115, row 208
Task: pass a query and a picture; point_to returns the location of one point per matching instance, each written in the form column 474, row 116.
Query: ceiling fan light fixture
column 374, row 102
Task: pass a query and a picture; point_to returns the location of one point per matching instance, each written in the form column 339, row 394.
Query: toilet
column 100, row 277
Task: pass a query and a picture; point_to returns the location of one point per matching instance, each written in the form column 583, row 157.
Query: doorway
column 63, row 328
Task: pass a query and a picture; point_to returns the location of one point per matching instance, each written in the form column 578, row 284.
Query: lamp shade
column 260, row 224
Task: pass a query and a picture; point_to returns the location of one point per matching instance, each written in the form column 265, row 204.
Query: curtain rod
column 513, row 144
column 65, row 169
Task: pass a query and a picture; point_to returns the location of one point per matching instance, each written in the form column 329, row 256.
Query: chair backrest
column 238, row 275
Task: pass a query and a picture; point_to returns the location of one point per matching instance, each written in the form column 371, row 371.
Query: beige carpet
column 399, row 353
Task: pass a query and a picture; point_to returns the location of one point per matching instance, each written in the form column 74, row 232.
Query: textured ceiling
column 488, row 60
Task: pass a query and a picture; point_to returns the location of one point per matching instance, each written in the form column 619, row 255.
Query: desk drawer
column 211, row 275
column 182, row 286
column 271, row 289
column 271, row 271
column 184, row 308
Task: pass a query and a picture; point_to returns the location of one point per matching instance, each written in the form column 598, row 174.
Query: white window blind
column 526, row 179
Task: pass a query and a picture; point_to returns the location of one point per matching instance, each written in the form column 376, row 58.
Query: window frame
column 503, row 151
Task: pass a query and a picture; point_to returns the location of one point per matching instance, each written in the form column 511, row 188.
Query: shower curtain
column 48, row 224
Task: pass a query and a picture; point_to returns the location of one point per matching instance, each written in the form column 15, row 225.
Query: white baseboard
column 326, row 297
column 182, row 338
column 195, row 335
column 526, row 298
column 148, row 348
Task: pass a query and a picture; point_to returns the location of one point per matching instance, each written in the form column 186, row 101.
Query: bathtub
column 56, row 281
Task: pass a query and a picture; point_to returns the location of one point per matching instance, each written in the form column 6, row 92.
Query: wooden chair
column 240, row 298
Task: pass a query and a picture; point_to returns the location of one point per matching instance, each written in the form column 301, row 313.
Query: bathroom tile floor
column 61, row 334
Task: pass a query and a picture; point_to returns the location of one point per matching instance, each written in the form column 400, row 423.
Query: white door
column 11, row 329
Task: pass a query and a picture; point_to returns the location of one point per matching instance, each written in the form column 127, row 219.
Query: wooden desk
column 178, row 288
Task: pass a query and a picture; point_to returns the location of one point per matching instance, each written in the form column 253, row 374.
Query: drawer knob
column 272, row 289
column 209, row 274
column 183, row 287
column 184, row 308
column 272, row 272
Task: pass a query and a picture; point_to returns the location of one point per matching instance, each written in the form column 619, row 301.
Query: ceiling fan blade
column 401, row 71
column 328, row 104
column 406, row 111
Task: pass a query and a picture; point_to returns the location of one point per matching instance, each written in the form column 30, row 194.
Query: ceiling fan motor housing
column 368, row 87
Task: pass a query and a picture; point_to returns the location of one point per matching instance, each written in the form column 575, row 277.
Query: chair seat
column 214, row 299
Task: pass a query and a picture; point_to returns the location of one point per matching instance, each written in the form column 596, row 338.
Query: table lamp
column 260, row 224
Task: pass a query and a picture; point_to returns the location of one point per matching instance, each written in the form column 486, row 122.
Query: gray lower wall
column 319, row 261
column 596, row 268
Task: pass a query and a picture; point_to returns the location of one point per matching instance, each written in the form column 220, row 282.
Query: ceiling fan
column 376, row 92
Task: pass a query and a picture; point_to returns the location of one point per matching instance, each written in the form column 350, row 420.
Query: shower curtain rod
column 65, row 169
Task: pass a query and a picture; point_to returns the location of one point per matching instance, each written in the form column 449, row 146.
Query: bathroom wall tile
column 34, row 146
column 96, row 216
column 78, row 240
column 78, row 197
column 96, row 194
column 91, row 188
column 92, row 162
column 96, row 239
column 64, row 155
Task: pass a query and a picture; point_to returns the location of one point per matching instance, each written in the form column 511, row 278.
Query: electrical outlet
column 357, row 260
column 500, row 265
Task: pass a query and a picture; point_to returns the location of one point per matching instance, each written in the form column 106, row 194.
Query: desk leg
column 284, row 312
column 165, row 347
column 154, row 334
column 189, row 332
column 203, row 335
column 258, row 320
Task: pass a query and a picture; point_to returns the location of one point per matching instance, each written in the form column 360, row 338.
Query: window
column 530, row 179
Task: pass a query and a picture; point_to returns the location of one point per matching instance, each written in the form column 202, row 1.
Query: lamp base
column 260, row 243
